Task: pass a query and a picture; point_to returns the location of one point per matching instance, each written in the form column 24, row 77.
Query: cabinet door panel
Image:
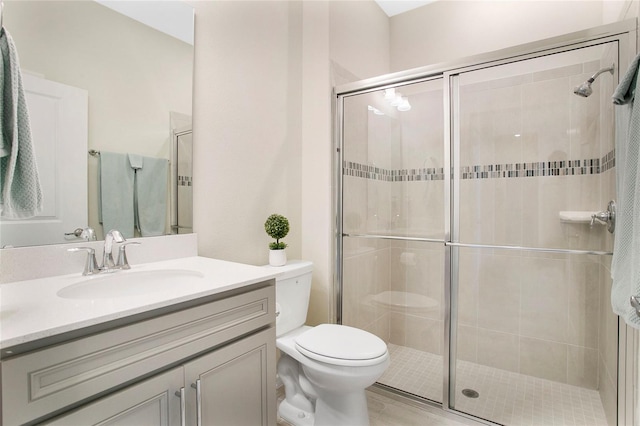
column 237, row 383
column 151, row 403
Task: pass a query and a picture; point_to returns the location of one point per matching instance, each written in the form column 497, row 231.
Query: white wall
column 262, row 124
column 447, row 30
column 342, row 41
column 359, row 37
column 247, row 129
column 619, row 10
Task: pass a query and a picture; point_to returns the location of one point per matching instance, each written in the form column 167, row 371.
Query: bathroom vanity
column 202, row 353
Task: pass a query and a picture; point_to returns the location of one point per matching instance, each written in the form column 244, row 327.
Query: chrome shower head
column 585, row 89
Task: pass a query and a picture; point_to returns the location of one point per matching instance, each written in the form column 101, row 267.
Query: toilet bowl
column 324, row 369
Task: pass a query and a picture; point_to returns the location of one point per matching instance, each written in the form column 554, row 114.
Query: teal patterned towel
column 21, row 194
column 625, row 265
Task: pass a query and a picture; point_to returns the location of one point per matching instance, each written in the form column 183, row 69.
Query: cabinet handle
column 183, row 407
column 198, row 389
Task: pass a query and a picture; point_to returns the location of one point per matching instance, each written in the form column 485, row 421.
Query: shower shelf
column 576, row 216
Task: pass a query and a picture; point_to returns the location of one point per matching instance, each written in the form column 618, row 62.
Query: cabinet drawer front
column 50, row 379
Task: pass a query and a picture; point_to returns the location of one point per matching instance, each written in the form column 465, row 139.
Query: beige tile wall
column 535, row 315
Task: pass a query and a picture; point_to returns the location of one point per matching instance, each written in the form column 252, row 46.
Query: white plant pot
column 277, row 257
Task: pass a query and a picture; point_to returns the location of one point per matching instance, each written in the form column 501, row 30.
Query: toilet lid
column 336, row 343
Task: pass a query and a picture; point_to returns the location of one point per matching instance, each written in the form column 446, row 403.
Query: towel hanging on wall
column 151, row 188
column 21, row 193
column 133, row 194
column 115, row 193
column 625, row 266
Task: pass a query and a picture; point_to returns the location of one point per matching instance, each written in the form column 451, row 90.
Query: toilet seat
column 341, row 345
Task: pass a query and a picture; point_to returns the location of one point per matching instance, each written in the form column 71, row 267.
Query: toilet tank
column 293, row 287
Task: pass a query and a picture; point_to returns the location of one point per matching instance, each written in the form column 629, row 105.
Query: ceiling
column 395, row 7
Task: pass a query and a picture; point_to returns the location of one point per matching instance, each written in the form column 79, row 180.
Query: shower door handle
column 635, row 303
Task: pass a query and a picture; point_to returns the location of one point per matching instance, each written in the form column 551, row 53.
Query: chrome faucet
column 113, row 236
column 108, row 265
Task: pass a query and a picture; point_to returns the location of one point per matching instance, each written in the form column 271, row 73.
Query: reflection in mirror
column 102, row 81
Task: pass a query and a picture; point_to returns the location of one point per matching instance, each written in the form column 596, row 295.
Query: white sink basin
column 132, row 283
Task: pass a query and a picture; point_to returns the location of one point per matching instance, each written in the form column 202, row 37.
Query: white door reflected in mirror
column 59, row 120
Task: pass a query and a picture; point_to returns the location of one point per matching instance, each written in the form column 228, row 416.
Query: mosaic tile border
column 592, row 166
column 402, row 175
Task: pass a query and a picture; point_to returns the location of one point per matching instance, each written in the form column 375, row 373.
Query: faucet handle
column 91, row 265
column 88, row 234
column 122, row 262
column 607, row 217
column 113, row 236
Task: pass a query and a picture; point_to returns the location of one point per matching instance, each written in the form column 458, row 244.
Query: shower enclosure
column 464, row 233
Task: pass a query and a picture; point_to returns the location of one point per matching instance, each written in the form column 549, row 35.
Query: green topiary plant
column 277, row 227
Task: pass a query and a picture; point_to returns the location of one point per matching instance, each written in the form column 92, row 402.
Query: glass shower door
column 534, row 338
column 393, row 228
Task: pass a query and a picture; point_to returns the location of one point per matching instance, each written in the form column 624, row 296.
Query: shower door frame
column 625, row 34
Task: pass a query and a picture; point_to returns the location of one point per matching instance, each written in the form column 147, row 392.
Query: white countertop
column 32, row 310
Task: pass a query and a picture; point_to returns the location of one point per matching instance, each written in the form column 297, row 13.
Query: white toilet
column 325, row 369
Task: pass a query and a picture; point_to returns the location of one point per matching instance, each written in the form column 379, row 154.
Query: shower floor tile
column 504, row 397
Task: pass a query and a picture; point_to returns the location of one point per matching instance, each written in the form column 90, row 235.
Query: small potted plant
column 277, row 227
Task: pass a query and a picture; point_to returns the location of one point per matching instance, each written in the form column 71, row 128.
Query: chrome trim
column 395, row 84
column 446, row 150
column 448, row 209
column 536, row 249
column 482, row 246
column 338, row 194
column 451, row 326
column 454, row 146
column 446, row 350
column 510, row 54
column 395, row 237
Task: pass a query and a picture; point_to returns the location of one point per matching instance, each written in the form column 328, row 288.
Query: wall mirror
column 107, row 76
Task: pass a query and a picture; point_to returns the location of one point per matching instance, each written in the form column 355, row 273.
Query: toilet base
column 294, row 415
column 334, row 408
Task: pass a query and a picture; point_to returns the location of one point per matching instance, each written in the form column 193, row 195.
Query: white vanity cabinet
column 219, row 354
